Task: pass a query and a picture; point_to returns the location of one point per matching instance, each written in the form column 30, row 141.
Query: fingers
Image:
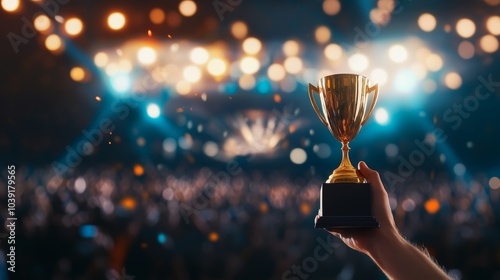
column 372, row 176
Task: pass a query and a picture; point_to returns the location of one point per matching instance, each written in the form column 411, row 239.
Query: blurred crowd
column 152, row 222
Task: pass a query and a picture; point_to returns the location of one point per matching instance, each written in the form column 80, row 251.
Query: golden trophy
column 345, row 199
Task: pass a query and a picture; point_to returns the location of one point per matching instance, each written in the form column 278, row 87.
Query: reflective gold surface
column 344, row 98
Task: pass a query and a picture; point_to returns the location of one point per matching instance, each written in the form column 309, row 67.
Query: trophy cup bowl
column 345, row 200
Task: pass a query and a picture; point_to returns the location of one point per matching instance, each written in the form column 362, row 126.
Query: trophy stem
column 345, row 173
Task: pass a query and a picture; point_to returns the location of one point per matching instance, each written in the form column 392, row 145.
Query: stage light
column 210, row 149
column 249, row 65
column 398, row 53
column 331, row 7
column 153, row 111
column 239, row 30
column 182, row 87
column 187, row 8
column 42, row 23
column 10, row 5
column 427, row 22
column 381, row 116
column 73, row 26
column 157, row 16
column 433, row 62
column 333, row 52
column 358, row 62
column 465, row 28
column 493, row 25
column 322, row 34
column 252, row 45
column 246, row 82
column 466, row 50
column 53, row 43
column 293, row 65
column 120, row 83
column 379, row 75
column 298, row 156
column 116, row 21
column 199, row 55
column 77, row 74
column 488, row 43
column 453, row 80
column 276, row 72
column 191, row 74
column 146, row 55
column 405, row 81
column 101, row 59
column 216, row 67
column 291, row 48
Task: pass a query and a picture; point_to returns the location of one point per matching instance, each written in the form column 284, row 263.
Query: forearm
column 399, row 259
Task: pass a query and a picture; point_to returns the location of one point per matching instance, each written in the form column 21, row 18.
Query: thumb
column 371, row 175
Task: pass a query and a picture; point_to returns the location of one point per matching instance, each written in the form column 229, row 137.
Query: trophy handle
column 313, row 102
column 374, row 101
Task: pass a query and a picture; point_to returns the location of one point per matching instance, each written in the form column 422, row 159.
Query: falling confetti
column 150, row 33
column 180, row 110
column 204, row 96
column 169, row 36
column 98, row 98
column 119, row 52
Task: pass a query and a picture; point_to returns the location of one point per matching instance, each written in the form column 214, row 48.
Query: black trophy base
column 346, row 205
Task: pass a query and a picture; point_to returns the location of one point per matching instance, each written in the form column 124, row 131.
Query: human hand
column 364, row 240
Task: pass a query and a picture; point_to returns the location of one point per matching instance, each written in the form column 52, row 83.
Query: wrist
column 384, row 240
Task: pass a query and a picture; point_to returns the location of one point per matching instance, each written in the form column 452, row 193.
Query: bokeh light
column 187, row 8
column 459, row 169
column 249, row 65
column 216, row 67
column 333, row 51
column 239, row 30
column 157, row 16
column 42, row 23
column 291, row 48
column 10, row 5
column 488, row 43
column 138, row 170
column 358, row 62
column 101, row 59
column 146, row 55
column 453, row 80
column 433, row 62
column 391, row 150
column 381, row 116
column 493, row 25
column 276, row 72
column 191, row 74
column 199, row 55
column 293, row 65
column 379, row 76
column 432, row 206
column 298, row 156
column 466, row 50
column 121, row 83
column 494, row 183
column 73, row 26
column 322, row 34
column 116, row 21
column 153, row 110
column 77, row 74
column 246, row 82
column 405, row 81
column 331, row 7
column 210, row 148
column 183, row 87
column 252, row 45
column 53, row 43
column 398, row 53
column 213, row 237
column 465, row 28
column 427, row 22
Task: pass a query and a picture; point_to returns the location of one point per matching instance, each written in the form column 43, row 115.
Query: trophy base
column 346, row 205
column 331, row 222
